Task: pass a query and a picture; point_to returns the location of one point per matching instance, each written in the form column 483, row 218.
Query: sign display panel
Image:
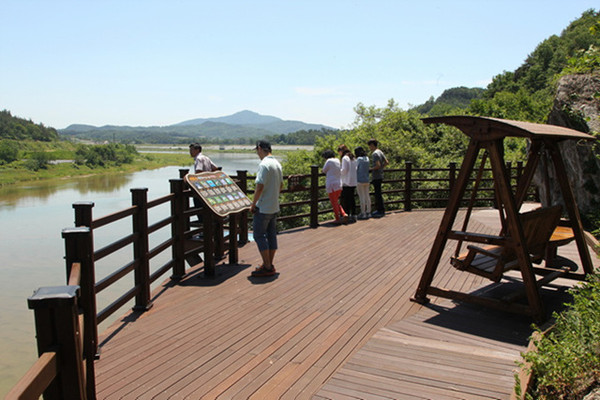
column 218, row 192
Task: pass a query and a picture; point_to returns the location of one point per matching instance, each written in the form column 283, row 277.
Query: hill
column 450, row 101
column 241, row 126
column 527, row 93
column 15, row 128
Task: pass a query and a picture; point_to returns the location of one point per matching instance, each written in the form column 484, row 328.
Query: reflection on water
column 32, row 216
column 12, row 195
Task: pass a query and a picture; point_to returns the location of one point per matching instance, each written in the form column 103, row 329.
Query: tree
column 21, row 129
column 9, row 151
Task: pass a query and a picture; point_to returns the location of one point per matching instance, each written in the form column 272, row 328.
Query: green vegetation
column 14, row 128
column 302, row 137
column 13, row 174
column 451, row 101
column 527, row 93
column 28, row 160
column 105, row 155
column 566, row 362
column 403, row 137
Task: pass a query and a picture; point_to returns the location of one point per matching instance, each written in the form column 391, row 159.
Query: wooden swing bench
column 492, row 261
column 525, row 238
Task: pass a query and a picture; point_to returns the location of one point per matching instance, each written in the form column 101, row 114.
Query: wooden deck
column 336, row 322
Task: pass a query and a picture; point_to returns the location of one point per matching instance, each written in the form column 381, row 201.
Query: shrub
column 39, row 160
column 567, row 360
column 106, row 154
column 9, row 151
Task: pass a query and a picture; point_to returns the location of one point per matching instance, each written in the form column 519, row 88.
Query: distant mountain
column 240, row 118
column 243, row 124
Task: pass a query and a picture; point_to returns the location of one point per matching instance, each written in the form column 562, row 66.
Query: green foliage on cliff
column 528, row 92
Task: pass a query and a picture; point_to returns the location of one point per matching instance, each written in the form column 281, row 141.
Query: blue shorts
column 265, row 231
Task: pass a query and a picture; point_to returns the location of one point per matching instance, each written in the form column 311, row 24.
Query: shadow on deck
column 336, row 322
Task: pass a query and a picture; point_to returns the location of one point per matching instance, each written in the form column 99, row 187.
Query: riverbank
column 150, row 157
column 65, row 170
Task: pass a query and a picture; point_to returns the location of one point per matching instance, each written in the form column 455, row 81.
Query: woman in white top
column 333, row 184
column 348, row 174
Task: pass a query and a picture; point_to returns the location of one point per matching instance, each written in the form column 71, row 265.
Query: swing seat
column 493, row 261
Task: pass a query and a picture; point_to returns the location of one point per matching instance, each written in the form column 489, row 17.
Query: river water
column 32, row 216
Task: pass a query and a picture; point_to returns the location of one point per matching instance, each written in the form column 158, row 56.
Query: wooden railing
column 305, row 203
column 66, row 317
column 62, row 370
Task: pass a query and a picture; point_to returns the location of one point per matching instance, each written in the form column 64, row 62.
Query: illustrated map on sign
column 219, row 192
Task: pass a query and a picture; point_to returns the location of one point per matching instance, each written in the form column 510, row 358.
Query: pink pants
column 334, row 198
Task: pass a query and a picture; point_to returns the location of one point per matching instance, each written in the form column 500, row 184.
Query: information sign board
column 218, row 192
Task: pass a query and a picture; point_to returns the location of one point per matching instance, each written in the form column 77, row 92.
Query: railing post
column 79, row 247
column 519, row 170
column 509, row 172
column 242, row 177
column 178, row 228
column 314, row 196
column 451, row 177
column 57, row 327
column 183, row 172
column 408, row 186
column 139, row 199
column 83, row 213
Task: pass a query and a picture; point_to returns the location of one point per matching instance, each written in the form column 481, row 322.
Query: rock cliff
column 576, row 106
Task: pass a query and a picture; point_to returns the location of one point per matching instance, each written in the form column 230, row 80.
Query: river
column 32, row 217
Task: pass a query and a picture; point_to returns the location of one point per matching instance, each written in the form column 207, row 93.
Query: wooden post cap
column 53, row 296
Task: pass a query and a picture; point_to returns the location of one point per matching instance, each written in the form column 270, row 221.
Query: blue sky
column 143, row 63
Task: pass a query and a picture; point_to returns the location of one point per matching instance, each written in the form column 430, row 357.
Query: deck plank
column 332, row 324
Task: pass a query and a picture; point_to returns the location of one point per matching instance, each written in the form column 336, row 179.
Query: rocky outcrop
column 576, row 106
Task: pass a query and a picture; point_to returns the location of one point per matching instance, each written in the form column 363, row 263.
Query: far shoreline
column 151, row 156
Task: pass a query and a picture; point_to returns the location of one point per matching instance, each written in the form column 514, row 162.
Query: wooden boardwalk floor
column 330, row 324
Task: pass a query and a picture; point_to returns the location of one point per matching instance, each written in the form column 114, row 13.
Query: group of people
column 344, row 176
column 348, row 175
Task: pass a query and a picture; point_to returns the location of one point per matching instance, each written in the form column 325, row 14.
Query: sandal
column 262, row 271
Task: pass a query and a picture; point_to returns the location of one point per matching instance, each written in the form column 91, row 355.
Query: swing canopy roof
column 485, row 128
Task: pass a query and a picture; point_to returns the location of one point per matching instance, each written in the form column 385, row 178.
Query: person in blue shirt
column 265, row 207
column 362, row 182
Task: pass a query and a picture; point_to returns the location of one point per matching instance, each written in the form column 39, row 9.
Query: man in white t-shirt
column 201, row 164
column 265, row 207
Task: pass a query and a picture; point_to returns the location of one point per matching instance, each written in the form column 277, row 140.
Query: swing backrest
column 492, row 261
column 538, row 226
